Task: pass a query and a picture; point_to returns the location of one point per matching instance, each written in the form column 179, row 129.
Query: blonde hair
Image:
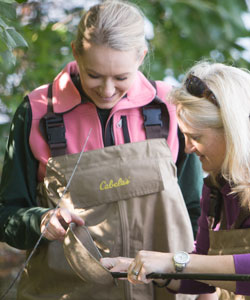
column 231, row 87
column 114, row 23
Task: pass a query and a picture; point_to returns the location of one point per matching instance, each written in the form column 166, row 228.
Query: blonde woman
column 114, row 192
column 213, row 110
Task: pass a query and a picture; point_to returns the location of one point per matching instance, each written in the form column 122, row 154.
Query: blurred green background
column 35, row 41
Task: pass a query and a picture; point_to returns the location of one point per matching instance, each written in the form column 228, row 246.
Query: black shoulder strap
column 243, row 215
column 156, row 122
column 181, row 154
column 215, row 204
column 53, row 129
column 156, row 117
column 216, row 207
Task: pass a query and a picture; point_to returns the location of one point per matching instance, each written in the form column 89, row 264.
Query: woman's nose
column 189, row 147
column 107, row 89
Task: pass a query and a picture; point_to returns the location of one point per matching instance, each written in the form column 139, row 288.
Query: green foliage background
column 33, row 49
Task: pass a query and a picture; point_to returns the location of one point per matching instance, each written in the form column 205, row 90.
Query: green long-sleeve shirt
column 19, row 214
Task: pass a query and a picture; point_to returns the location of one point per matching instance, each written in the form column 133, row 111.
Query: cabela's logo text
column 104, row 185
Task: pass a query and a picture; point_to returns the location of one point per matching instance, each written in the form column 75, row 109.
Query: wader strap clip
column 156, row 118
column 53, row 129
column 152, row 116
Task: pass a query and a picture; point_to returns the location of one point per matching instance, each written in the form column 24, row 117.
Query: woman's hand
column 116, row 264
column 58, row 223
column 147, row 262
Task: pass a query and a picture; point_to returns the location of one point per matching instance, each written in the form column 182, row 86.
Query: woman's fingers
column 147, row 262
column 55, row 222
column 76, row 219
column 116, row 264
column 51, row 227
column 108, row 262
column 135, row 271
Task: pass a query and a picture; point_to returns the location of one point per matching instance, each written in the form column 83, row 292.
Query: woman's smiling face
column 106, row 74
column 208, row 144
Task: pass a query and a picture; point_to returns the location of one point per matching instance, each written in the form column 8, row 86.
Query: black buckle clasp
column 55, row 129
column 152, row 116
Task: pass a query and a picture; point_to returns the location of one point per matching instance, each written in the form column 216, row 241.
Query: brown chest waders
column 129, row 197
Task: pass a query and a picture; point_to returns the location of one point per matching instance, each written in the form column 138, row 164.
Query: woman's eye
column 121, row 78
column 93, row 76
column 195, row 138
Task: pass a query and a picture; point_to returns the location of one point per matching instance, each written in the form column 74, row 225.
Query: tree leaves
column 9, row 37
column 15, row 39
column 7, row 11
column 186, row 31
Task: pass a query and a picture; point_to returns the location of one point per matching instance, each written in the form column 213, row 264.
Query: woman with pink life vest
column 102, row 91
column 213, row 109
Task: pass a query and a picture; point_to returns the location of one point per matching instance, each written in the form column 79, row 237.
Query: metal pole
column 192, row 276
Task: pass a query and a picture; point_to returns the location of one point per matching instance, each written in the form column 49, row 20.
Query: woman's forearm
column 213, row 264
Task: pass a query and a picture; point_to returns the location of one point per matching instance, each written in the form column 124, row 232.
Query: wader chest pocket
column 113, row 173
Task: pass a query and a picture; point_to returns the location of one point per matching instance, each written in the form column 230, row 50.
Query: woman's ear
column 143, row 56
